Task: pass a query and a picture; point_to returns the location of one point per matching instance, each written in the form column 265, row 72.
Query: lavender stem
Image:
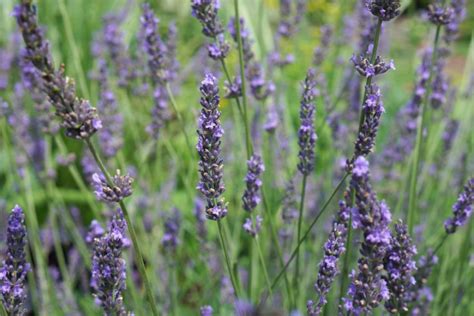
column 419, row 135
column 180, row 119
column 262, row 260
column 248, row 140
column 306, row 234
column 131, row 231
column 300, row 221
column 227, row 260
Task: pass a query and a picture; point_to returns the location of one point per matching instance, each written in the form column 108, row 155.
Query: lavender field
column 236, row 157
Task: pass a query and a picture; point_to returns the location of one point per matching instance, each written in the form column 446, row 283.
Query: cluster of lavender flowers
column 462, row 209
column 206, row 13
column 158, row 68
column 260, row 88
column 306, row 134
column 78, row 117
column 333, row 249
column 109, row 268
column 289, row 21
column 400, row 267
column 209, row 149
column 368, row 287
column 15, row 268
column 251, row 197
column 119, row 188
column 372, row 110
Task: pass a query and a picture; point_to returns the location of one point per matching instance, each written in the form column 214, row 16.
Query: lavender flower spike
column 211, row 165
column 385, row 10
column 333, row 249
column 306, row 134
column 251, row 195
column 15, row 268
column 206, row 12
column 77, row 116
column 462, row 209
column 108, row 268
column 154, row 46
column 439, row 15
column 120, row 189
column 400, row 267
column 373, row 110
column 368, row 288
column 206, row 310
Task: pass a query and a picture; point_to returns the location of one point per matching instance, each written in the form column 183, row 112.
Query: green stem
column 3, row 312
column 172, row 267
column 248, row 140
column 300, row 222
column 33, row 228
column 140, row 261
column 74, row 49
column 262, row 261
column 131, row 231
column 440, row 243
column 276, row 244
column 306, row 234
column 180, row 120
column 252, row 273
column 76, row 175
column 227, row 259
column 419, row 137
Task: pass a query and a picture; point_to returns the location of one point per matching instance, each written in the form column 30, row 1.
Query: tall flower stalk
column 438, row 18
column 306, row 140
column 211, row 184
column 15, row 268
column 77, row 116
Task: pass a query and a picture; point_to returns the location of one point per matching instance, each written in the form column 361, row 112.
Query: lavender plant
column 15, row 268
column 145, row 61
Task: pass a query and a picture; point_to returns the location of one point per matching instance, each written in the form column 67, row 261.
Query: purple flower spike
column 109, row 269
column 333, row 249
column 462, row 209
column 245, row 37
column 170, row 239
column 206, row 12
column 78, row 117
column 211, row 164
column 459, row 13
column 400, row 267
column 368, row 288
column 252, row 227
column 15, row 268
column 206, row 311
column 439, row 15
column 420, row 294
column 306, row 134
column 251, row 196
column 233, row 89
column 366, row 69
column 385, row 10
column 220, row 49
column 154, row 46
column 120, row 189
column 373, row 110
